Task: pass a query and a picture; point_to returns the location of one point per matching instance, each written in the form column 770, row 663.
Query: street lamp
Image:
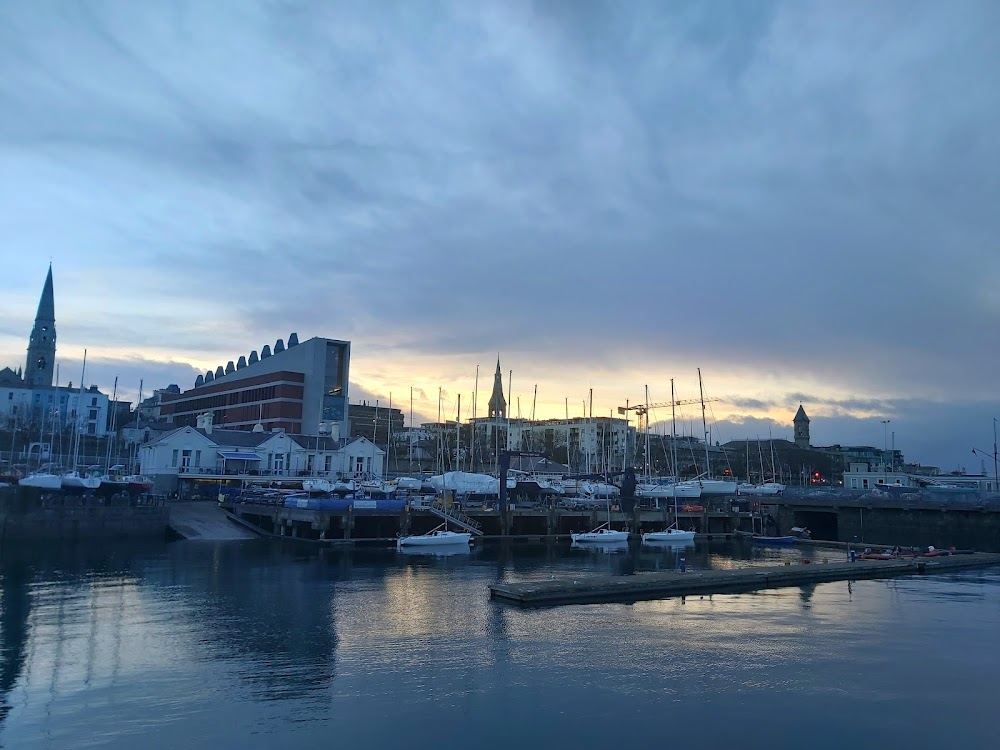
column 885, row 440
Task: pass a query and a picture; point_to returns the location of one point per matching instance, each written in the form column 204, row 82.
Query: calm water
column 251, row 645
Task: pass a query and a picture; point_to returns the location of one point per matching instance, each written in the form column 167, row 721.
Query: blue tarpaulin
column 239, row 456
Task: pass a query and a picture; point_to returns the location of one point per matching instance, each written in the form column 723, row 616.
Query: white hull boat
column 436, row 538
column 42, row 481
column 669, row 535
column 767, row 489
column 465, row 483
column 717, row 487
column 690, row 490
column 74, row 481
column 316, row 486
column 408, row 483
column 601, row 536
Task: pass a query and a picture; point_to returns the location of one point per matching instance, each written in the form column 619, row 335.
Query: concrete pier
column 583, row 589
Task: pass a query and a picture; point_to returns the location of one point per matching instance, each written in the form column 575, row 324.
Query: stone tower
column 801, row 423
column 498, row 404
column 42, row 345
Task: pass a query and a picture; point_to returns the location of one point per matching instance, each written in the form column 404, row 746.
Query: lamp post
column 885, row 440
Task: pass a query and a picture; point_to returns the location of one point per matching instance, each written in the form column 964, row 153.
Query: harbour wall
column 27, row 513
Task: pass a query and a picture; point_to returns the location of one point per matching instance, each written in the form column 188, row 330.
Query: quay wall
column 29, row 514
column 967, row 528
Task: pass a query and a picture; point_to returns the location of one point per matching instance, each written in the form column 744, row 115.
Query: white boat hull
column 768, row 489
column 42, row 481
column 435, row 539
column 604, row 536
column 316, row 486
column 670, row 535
column 690, row 490
column 76, row 482
column 717, row 487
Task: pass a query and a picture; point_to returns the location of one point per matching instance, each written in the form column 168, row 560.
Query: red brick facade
column 273, row 399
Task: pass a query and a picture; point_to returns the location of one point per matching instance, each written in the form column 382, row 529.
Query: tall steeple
column 801, row 424
column 498, row 404
column 41, row 362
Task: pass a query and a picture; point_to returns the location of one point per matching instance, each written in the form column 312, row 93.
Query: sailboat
column 75, row 480
column 435, row 537
column 710, row 486
column 603, row 534
column 671, row 534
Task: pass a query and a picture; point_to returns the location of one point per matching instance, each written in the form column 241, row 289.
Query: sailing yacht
column 435, row 537
column 42, row 480
column 672, row 534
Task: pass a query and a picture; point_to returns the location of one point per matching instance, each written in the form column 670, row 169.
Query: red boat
column 137, row 483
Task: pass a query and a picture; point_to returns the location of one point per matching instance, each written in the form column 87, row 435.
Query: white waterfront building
column 204, row 452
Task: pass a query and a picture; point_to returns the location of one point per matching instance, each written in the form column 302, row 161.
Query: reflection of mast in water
column 117, row 663
column 92, row 640
column 56, row 660
column 14, row 629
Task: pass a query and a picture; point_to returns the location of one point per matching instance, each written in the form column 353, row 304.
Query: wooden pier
column 584, row 589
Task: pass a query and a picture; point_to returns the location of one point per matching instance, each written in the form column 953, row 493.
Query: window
column 359, row 465
column 197, row 458
column 93, row 401
column 92, row 414
column 329, row 464
column 91, row 429
column 279, row 463
column 186, row 459
column 854, row 483
column 173, row 459
column 864, row 484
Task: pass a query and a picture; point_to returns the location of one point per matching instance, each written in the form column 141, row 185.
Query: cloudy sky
column 797, row 197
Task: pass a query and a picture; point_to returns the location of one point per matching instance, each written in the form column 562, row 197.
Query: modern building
column 301, row 389
column 29, row 400
column 205, row 452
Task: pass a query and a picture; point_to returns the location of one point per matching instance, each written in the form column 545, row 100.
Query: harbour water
column 256, row 645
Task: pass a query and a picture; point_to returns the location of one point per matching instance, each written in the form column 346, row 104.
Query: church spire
column 498, row 404
column 41, row 361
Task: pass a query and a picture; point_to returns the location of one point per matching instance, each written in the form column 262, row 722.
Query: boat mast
column 770, row 442
column 79, row 410
column 594, row 426
column 440, row 437
column 646, row 446
column 475, row 402
column 704, row 426
column 673, row 445
column 458, row 434
column 114, row 414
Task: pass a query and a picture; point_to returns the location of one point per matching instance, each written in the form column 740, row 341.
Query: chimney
column 204, row 422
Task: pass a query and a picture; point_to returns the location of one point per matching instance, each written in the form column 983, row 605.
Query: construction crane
column 641, row 410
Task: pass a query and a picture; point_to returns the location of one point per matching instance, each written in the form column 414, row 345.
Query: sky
column 796, row 197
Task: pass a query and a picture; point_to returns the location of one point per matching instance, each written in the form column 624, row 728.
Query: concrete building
column 301, row 389
column 206, row 452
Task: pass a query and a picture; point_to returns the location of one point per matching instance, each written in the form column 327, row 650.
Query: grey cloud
column 796, row 188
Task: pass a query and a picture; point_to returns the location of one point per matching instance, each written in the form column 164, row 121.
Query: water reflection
column 261, row 645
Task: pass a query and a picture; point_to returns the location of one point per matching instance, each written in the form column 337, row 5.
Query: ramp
column 205, row 520
column 455, row 516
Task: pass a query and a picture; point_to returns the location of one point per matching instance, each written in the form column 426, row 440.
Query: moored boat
column 435, row 538
column 601, row 535
column 75, row 481
column 668, row 535
column 316, row 486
